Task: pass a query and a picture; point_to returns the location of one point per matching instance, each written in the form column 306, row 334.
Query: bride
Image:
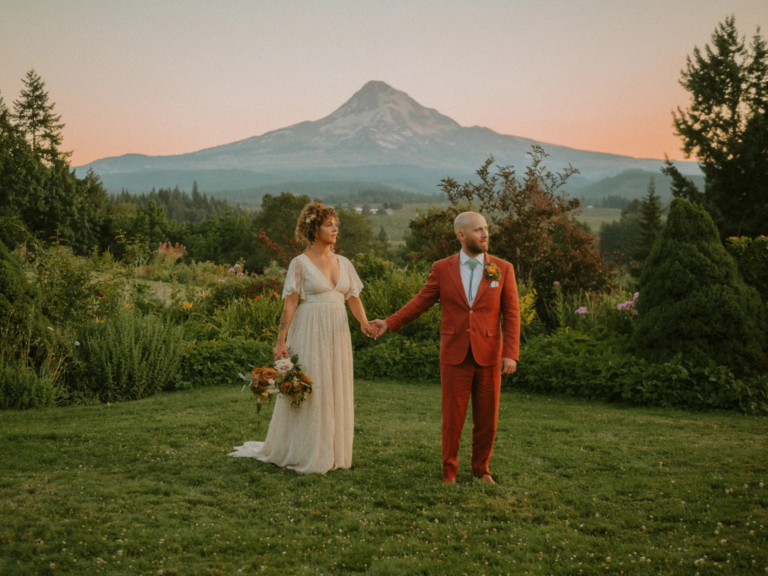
column 317, row 435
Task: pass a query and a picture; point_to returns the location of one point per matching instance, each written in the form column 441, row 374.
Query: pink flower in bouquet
column 582, row 310
column 283, row 365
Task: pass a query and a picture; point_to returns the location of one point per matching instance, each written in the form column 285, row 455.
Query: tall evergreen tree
column 726, row 128
column 650, row 223
column 35, row 118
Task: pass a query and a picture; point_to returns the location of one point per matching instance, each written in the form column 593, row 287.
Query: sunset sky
column 161, row 77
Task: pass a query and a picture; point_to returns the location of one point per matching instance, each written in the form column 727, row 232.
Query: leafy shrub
column 257, row 318
column 70, row 290
column 693, row 301
column 128, row 357
column 371, row 267
column 16, row 294
column 216, row 362
column 751, row 256
column 200, row 273
column 398, row 357
column 596, row 365
column 21, row 388
column 385, row 295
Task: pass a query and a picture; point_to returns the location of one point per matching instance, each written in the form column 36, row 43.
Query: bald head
column 472, row 231
column 467, row 221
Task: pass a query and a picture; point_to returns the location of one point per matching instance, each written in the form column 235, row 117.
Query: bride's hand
column 280, row 351
column 369, row 329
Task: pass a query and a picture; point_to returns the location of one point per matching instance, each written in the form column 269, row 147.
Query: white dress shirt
column 466, row 273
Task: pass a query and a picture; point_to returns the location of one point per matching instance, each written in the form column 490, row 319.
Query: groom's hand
column 507, row 366
column 381, row 327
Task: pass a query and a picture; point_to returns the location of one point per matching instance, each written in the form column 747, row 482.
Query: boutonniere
column 492, row 272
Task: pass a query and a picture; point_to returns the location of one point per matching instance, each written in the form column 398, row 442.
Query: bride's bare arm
column 289, row 309
column 356, row 306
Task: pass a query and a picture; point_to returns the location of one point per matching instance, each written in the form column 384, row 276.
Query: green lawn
column 595, row 217
column 146, row 487
column 396, row 224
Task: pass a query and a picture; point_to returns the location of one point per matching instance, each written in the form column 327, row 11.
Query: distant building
column 389, row 211
column 374, row 210
column 359, row 210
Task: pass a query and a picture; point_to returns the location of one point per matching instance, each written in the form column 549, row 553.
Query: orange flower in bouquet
column 284, row 377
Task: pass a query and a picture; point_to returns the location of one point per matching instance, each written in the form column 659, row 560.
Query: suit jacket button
column 467, row 329
column 470, row 311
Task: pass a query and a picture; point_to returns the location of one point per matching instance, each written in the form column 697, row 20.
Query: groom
column 476, row 291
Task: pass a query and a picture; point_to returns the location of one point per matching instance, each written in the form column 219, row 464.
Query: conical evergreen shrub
column 694, row 301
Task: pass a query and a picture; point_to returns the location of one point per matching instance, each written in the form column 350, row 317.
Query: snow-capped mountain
column 377, row 134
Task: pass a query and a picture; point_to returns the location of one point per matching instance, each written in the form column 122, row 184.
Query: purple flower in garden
column 236, row 267
column 231, row 271
column 240, row 274
column 222, row 281
column 582, row 310
column 635, row 296
column 634, row 312
column 556, row 283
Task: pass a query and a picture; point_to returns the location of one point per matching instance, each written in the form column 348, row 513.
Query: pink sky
column 173, row 77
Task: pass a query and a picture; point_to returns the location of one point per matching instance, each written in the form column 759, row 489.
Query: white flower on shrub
column 283, row 365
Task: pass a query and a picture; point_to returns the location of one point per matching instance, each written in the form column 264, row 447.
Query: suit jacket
column 462, row 325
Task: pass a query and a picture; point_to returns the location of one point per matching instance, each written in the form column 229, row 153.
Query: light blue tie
column 472, row 263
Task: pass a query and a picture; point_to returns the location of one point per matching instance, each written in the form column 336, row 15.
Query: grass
column 595, row 217
column 146, row 486
column 396, row 224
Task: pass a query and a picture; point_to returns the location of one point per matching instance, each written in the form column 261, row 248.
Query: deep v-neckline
column 323, row 275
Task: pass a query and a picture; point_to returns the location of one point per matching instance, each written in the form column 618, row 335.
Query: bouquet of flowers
column 283, row 377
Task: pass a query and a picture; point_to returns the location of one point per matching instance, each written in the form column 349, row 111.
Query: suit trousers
column 483, row 384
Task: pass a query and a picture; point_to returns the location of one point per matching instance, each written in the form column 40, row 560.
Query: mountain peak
column 378, row 103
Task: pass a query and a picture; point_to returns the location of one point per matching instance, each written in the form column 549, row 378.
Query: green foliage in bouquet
column 693, row 301
column 129, row 356
column 595, row 364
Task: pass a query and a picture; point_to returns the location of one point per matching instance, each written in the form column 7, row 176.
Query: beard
column 475, row 246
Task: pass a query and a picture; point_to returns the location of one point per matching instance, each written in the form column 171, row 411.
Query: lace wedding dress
column 317, row 435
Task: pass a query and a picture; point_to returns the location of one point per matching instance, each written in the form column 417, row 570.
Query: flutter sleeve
column 293, row 279
column 355, row 284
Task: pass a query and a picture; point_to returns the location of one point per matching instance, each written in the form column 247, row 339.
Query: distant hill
column 380, row 135
column 631, row 184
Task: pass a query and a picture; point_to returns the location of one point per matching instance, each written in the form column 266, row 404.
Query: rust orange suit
column 472, row 344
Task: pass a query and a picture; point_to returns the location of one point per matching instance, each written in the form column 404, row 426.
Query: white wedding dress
column 317, row 435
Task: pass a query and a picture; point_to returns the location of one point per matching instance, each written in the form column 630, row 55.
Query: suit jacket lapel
column 455, row 273
column 483, row 282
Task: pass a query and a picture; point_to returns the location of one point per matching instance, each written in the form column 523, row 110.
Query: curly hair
column 311, row 219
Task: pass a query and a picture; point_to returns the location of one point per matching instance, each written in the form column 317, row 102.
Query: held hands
column 369, row 329
column 380, row 326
